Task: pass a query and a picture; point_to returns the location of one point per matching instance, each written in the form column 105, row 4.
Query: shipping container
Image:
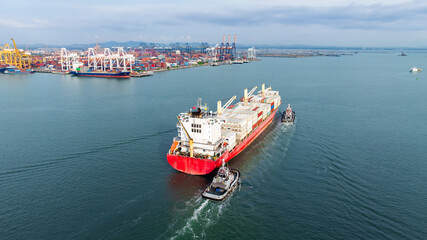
column 230, row 138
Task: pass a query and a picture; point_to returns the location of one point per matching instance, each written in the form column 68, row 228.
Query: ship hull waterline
column 101, row 75
column 200, row 166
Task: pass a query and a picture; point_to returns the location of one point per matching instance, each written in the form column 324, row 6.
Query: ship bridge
column 200, row 130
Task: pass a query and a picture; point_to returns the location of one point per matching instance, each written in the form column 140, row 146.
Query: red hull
column 106, row 76
column 199, row 166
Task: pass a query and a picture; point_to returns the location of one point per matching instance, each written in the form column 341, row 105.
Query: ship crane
column 221, row 109
column 190, row 139
column 263, row 90
column 252, row 91
column 248, row 95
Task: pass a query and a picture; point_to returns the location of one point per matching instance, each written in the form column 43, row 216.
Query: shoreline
column 38, row 70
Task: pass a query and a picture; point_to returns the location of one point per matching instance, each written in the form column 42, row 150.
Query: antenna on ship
column 199, row 103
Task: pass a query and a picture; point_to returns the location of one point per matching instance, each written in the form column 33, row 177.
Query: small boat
column 15, row 70
column 289, row 115
column 225, row 181
column 403, row 54
column 414, row 69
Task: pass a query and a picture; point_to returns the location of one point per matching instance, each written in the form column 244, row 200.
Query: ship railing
column 219, row 151
column 196, row 155
column 214, row 157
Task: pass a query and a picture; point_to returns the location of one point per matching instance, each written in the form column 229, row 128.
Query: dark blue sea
column 85, row 158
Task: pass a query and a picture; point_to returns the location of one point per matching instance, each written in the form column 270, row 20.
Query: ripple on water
column 70, row 160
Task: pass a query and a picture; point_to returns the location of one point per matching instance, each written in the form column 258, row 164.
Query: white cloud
column 273, row 21
column 10, row 23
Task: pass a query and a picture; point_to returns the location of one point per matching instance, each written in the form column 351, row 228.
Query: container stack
column 243, row 118
column 237, row 125
column 230, row 138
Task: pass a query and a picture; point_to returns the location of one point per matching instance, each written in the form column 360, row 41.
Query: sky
column 346, row 23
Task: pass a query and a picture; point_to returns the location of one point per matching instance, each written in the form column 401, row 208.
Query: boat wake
column 195, row 218
column 273, row 145
column 285, row 127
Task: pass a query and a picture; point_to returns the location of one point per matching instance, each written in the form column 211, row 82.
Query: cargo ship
column 15, row 70
column 103, row 74
column 206, row 139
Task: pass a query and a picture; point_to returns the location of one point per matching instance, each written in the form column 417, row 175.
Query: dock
column 41, row 70
column 141, row 74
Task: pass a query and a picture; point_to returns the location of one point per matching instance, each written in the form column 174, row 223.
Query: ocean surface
column 85, row 158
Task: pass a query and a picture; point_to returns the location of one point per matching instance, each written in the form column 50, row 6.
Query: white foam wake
column 193, row 218
column 205, row 215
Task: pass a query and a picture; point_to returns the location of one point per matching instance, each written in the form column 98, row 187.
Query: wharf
column 40, row 70
column 303, row 55
column 141, row 74
column 179, row 67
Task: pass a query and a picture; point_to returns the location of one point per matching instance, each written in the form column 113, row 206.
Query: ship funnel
column 219, row 108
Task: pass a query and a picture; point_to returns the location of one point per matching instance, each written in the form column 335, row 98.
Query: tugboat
column 225, row 181
column 289, row 115
column 414, row 69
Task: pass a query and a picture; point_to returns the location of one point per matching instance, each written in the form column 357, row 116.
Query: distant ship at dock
column 87, row 72
column 101, row 74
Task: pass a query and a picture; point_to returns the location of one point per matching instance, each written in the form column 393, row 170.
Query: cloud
column 273, row 21
column 137, row 16
column 33, row 23
column 374, row 16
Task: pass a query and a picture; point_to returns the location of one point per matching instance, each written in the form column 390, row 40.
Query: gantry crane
column 6, row 54
column 14, row 56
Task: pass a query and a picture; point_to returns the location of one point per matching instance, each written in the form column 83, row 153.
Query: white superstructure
column 205, row 132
